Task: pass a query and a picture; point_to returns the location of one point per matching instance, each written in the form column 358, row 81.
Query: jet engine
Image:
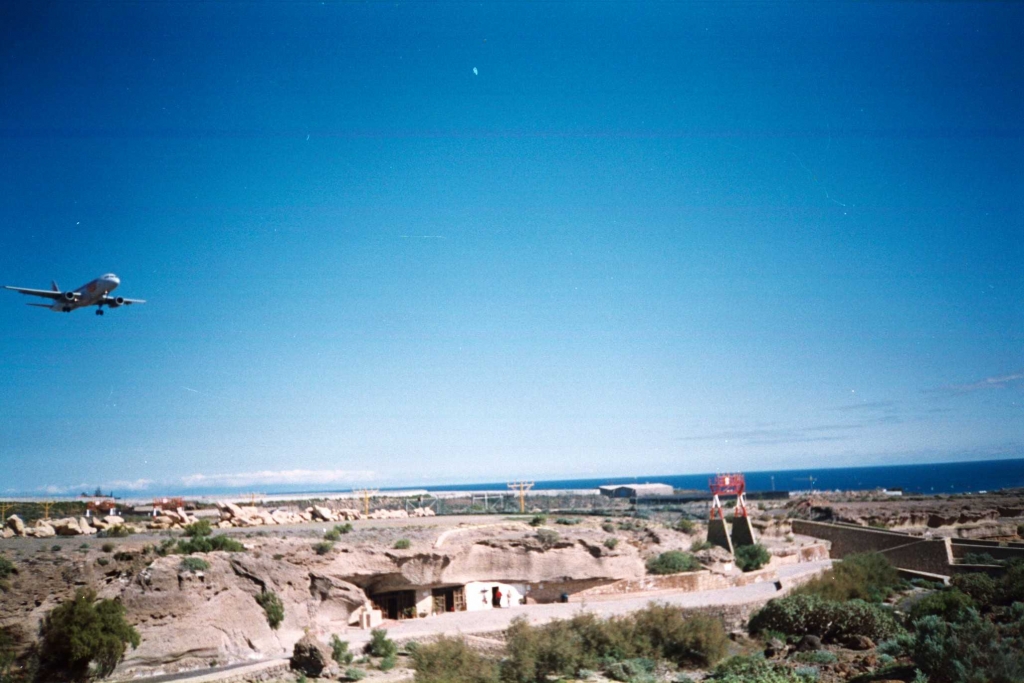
column 118, row 301
column 70, row 296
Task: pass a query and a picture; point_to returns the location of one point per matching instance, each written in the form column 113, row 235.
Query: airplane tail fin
column 53, row 286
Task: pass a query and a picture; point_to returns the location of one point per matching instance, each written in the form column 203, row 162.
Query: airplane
column 95, row 293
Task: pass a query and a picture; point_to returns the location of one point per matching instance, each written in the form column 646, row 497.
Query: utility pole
column 4, row 507
column 522, row 487
column 366, row 493
column 46, row 508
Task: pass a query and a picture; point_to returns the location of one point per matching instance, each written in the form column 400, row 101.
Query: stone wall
column 998, row 551
column 688, row 581
column 902, row 550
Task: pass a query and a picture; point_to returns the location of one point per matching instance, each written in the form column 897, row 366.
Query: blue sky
column 394, row 243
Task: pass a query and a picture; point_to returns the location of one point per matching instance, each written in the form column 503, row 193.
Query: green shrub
column 354, row 674
column 272, row 606
column 165, row 547
column 979, row 558
column 323, row 547
column 866, row 576
column 547, row 537
column 193, row 564
column 340, row 652
column 982, row 588
column 116, row 531
column 752, row 557
column 682, row 639
column 82, row 636
column 7, row 654
column 123, row 556
column 107, row 547
column 380, row 645
column 55, row 548
column 1020, row 530
column 899, row 646
column 566, row 647
column 686, row 525
column 209, row 544
column 608, row 527
column 756, row 669
column 538, row 520
column 610, row 543
column 200, row 527
column 402, row 544
column 568, row 521
column 6, row 567
column 970, row 651
column 332, row 535
column 699, row 545
column 807, row 673
column 388, row 663
column 343, row 528
column 102, row 561
column 1011, row 585
column 631, row 669
column 450, row 660
column 672, row 562
column 799, row 615
column 950, row 605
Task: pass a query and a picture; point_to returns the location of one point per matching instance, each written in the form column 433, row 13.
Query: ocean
column 949, row 477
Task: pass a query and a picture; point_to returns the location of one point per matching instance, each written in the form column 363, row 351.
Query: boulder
column 41, row 530
column 113, row 520
column 774, row 647
column 66, row 527
column 322, row 514
column 809, row 643
column 83, row 524
column 7, row 533
column 311, row 658
column 229, row 510
column 858, row 643
column 15, row 524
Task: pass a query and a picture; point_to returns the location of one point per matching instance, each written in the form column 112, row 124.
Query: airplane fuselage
column 91, row 292
column 95, row 293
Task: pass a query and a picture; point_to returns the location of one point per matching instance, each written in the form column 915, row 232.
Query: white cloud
column 271, row 477
column 999, row 382
column 136, row 485
column 117, row 485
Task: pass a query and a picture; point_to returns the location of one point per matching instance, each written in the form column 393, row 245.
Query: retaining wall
column 902, row 550
column 998, row 551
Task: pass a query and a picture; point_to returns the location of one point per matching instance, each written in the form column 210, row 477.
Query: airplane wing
column 40, row 292
column 120, row 301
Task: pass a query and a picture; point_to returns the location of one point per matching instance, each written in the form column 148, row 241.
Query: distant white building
column 635, row 490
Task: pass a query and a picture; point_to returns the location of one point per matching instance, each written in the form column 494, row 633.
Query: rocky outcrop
column 312, row 658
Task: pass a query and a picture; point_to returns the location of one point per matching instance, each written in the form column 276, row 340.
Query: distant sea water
column 950, row 477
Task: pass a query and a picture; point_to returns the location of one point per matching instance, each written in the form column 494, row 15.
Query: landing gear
column 66, row 309
column 99, row 311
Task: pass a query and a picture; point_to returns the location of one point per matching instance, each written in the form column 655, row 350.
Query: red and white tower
column 732, row 484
